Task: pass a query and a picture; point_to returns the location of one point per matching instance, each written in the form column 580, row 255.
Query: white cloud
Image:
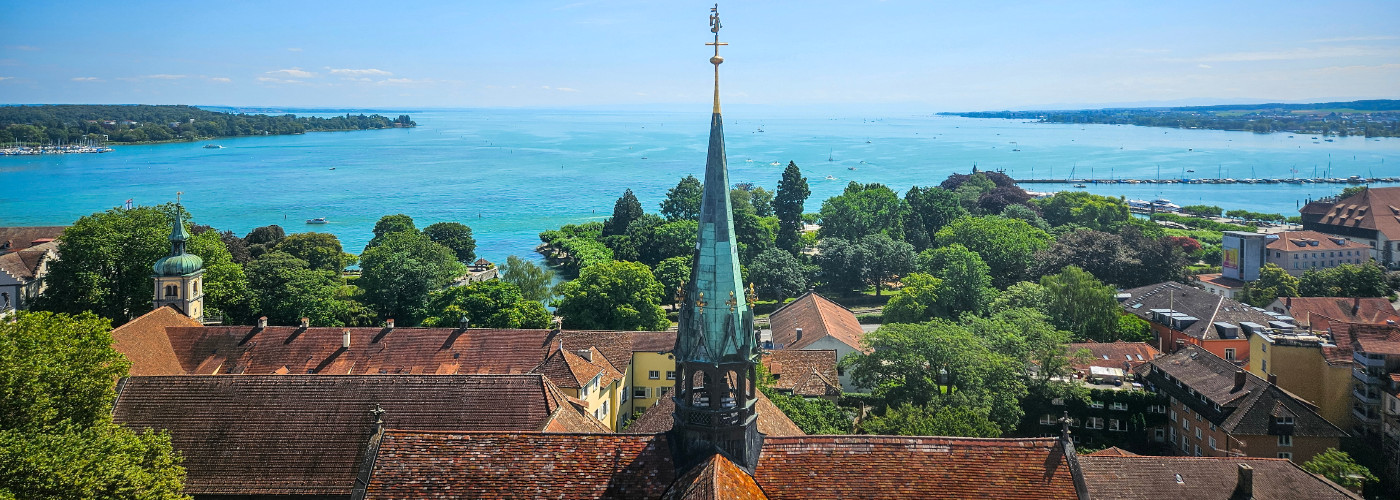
column 293, row 49
column 1355, row 39
column 358, row 72
column 265, row 79
column 3, row 78
column 546, row 87
column 1203, row 66
column 219, row 79
column 292, row 72
column 163, row 76
column 1295, row 54
column 87, row 79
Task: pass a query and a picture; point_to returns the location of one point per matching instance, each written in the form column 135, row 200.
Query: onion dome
column 178, row 263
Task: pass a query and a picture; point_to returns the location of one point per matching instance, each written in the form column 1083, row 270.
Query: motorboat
column 318, row 220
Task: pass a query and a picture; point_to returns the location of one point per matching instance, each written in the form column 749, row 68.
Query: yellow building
column 1310, row 367
column 587, row 376
column 653, row 371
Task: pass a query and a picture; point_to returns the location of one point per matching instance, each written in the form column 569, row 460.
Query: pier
column 1355, row 179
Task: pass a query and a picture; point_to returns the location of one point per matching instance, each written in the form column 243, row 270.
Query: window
column 670, row 374
column 1047, row 419
column 1285, row 455
column 1198, row 450
column 1096, row 404
column 1230, row 353
column 1116, row 425
column 1120, row 406
column 1212, row 427
column 1095, row 423
column 172, row 291
column 1157, row 408
column 1284, row 420
column 1285, row 440
column 1212, row 443
column 1185, row 425
column 1265, row 364
column 622, row 398
column 654, row 374
column 641, row 392
column 1157, row 434
column 1198, row 433
column 1183, row 443
column 1172, row 415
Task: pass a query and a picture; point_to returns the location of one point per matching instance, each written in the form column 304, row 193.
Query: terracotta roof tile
column 143, row 341
column 1290, row 241
column 569, row 370
column 1112, row 451
column 1318, row 313
column 1114, row 354
column 715, row 478
column 23, row 265
column 1202, row 478
column 818, row 318
column 805, row 373
column 305, row 435
column 22, row 237
column 1374, row 209
column 1378, row 339
column 771, row 420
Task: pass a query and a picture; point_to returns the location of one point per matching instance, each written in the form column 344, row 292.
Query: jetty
column 1355, row 179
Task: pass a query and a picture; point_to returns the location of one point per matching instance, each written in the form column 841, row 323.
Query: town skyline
column 557, row 54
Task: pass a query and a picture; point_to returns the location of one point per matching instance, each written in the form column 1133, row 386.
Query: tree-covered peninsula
column 1373, row 118
column 73, row 123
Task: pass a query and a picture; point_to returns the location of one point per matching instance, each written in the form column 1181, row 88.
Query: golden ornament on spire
column 716, row 60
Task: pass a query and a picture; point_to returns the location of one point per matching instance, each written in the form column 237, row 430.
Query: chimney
column 262, row 322
column 1180, row 344
column 1273, row 379
column 799, row 335
column 586, row 354
column 389, row 323
column 345, row 339
column 1288, row 303
column 1239, row 380
column 1244, row 488
column 305, row 322
column 462, row 323
column 1355, row 305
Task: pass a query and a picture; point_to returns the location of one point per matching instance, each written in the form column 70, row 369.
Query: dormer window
column 1284, row 420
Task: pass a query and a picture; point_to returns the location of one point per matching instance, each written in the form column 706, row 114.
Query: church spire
column 716, row 352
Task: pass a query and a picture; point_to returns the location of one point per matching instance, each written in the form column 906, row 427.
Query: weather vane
column 714, row 28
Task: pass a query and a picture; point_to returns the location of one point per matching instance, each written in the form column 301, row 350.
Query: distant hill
column 1371, row 118
column 139, row 123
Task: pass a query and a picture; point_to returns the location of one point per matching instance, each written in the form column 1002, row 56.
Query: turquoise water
column 510, row 174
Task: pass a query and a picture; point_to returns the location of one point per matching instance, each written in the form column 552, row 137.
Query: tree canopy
column 534, row 282
column 106, row 264
column 776, row 275
column 1100, row 213
column 1008, row 246
column 625, row 210
column 321, row 251
column 455, row 236
column 613, row 295
column 788, row 205
column 861, row 210
column 399, row 273
column 683, row 201
column 485, row 304
column 966, row 280
column 287, row 289
column 1080, row 304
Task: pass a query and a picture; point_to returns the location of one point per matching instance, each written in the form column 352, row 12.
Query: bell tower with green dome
column 179, row 277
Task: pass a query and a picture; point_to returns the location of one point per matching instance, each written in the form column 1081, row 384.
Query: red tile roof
column 572, row 371
column 1293, row 241
column 1112, row 451
column 1318, row 313
column 771, row 420
column 22, row 237
column 805, row 373
column 528, row 465
column 1377, row 339
column 818, row 318
column 306, row 435
column 143, row 341
column 23, row 265
column 1201, row 478
column 715, row 478
column 1114, row 354
column 1220, row 280
column 1375, row 209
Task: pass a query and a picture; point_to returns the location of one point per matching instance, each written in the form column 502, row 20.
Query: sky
column 816, row 54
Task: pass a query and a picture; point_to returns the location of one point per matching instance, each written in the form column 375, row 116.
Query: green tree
column 455, row 236
column 57, row 440
column 485, row 304
column 1008, row 246
column 535, row 282
column 321, row 251
column 1346, row 280
column 106, row 264
column 399, row 274
column 1026, row 294
column 613, row 295
column 967, row 281
column 753, row 235
column 1273, row 282
column 287, row 289
column 888, row 260
column 1100, row 213
column 672, row 274
column 625, row 210
column 861, row 210
column 762, row 201
column 226, row 289
column 683, row 201
column 813, row 416
column 842, row 264
column 1337, row 466
column 776, row 275
column 1025, row 213
column 928, row 210
column 910, row 420
column 916, row 301
column 1202, row 210
column 788, row 205
column 1079, row 303
column 390, row 224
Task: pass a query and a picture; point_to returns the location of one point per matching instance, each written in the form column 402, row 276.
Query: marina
column 52, row 150
column 1355, row 179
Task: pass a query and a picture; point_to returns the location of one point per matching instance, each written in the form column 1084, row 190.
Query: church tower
column 179, row 277
column 716, row 352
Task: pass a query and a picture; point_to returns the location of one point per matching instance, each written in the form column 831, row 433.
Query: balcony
column 1361, row 359
column 1366, row 378
column 1373, row 399
column 1366, row 416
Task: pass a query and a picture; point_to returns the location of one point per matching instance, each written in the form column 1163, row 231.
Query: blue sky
column 907, row 55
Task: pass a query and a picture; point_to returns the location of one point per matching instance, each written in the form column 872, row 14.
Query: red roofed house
column 1183, row 315
column 1114, row 361
column 1126, row 476
column 1299, row 251
column 22, row 269
column 1318, row 313
column 813, row 322
column 806, row 373
column 1371, row 218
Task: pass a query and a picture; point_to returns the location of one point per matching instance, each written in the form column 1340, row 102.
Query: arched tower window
column 172, row 291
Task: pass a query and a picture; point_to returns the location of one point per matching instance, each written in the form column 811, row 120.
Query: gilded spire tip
column 716, row 59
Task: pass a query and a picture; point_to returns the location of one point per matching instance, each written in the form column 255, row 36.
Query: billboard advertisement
column 1230, row 259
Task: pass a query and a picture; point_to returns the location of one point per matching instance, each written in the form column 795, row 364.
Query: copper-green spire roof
column 716, row 321
column 178, row 263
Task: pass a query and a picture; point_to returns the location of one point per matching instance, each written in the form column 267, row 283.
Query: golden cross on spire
column 716, row 60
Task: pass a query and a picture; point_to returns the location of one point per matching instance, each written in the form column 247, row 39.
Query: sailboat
column 828, row 156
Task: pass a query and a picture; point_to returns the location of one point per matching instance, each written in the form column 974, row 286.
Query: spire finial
column 716, row 60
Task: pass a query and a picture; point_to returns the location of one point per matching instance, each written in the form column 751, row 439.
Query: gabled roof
column 804, row 373
column 1201, row 478
column 715, row 478
column 771, row 420
column 22, row 237
column 1114, row 354
column 1206, row 307
column 572, row 371
column 23, row 265
column 639, row 466
column 1375, row 339
column 653, row 341
column 306, row 435
column 1297, row 241
column 1249, row 409
column 143, row 341
column 1318, row 313
column 1376, row 209
column 818, row 318
column 1111, row 451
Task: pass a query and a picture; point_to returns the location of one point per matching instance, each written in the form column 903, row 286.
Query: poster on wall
column 1230, row 258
